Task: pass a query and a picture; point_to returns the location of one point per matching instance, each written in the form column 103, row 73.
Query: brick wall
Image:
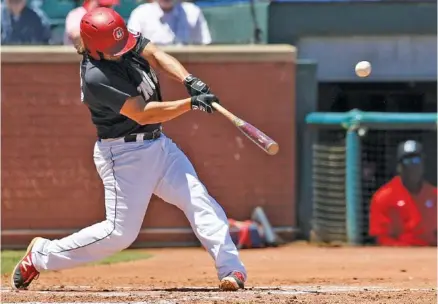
column 48, row 176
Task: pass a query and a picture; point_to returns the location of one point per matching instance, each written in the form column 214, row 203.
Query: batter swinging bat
column 255, row 135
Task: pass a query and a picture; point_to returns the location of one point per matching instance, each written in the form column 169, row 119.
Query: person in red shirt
column 403, row 212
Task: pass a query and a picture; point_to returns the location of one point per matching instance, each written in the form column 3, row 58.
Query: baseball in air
column 363, row 69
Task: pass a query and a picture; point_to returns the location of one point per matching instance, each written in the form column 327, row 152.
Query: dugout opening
column 404, row 97
column 377, row 145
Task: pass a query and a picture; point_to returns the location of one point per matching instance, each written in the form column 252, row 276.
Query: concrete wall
column 290, row 21
column 393, row 58
column 397, row 37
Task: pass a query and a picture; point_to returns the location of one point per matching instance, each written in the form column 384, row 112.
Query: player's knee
column 124, row 236
column 122, row 241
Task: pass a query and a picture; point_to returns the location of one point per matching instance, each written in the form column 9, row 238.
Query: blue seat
column 126, row 7
column 57, row 9
column 213, row 3
column 58, row 34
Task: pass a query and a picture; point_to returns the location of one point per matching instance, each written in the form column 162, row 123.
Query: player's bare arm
column 156, row 112
column 159, row 59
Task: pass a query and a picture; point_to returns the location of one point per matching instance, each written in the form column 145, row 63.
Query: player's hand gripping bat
column 255, row 135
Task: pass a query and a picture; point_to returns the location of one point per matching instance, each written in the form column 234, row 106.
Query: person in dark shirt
column 133, row 157
column 21, row 25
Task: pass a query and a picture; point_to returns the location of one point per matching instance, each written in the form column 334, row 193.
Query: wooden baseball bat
column 264, row 142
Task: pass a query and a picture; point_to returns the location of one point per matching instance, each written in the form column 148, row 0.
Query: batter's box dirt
column 284, row 294
column 295, row 274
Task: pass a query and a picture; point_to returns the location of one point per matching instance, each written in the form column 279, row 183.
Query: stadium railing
column 354, row 153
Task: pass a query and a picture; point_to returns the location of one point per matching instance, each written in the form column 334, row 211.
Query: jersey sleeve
column 110, row 89
column 142, row 42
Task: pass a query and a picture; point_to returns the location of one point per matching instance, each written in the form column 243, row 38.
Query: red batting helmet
column 104, row 31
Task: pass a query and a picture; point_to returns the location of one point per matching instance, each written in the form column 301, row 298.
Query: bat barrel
column 266, row 143
column 272, row 148
column 254, row 134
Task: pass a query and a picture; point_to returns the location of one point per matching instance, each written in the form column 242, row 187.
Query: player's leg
column 129, row 174
column 181, row 187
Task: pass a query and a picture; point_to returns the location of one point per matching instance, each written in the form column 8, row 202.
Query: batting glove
column 204, row 102
column 196, row 86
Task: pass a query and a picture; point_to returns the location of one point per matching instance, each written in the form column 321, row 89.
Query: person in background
column 170, row 22
column 21, row 25
column 403, row 212
column 73, row 19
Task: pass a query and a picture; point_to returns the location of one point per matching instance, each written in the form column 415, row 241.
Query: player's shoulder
column 142, row 42
column 96, row 74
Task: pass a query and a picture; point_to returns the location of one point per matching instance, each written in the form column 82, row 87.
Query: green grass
column 9, row 258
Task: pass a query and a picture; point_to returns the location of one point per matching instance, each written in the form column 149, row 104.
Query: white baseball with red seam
column 363, row 69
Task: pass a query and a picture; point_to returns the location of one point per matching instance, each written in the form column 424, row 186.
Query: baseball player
column 132, row 155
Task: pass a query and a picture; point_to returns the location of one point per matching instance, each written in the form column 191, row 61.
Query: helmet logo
column 118, row 33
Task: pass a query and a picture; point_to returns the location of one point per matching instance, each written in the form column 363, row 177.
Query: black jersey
column 106, row 85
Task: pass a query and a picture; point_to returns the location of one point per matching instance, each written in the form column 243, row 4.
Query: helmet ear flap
column 100, row 54
column 93, row 54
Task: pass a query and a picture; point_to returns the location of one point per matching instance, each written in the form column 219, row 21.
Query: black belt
column 146, row 136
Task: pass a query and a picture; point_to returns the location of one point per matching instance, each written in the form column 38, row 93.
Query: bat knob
column 272, row 148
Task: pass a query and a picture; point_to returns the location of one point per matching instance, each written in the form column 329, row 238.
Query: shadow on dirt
column 88, row 289
column 211, row 289
column 185, row 289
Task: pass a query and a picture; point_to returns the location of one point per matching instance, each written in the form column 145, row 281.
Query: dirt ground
column 297, row 273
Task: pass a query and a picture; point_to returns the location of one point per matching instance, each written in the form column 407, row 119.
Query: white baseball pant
column 131, row 172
